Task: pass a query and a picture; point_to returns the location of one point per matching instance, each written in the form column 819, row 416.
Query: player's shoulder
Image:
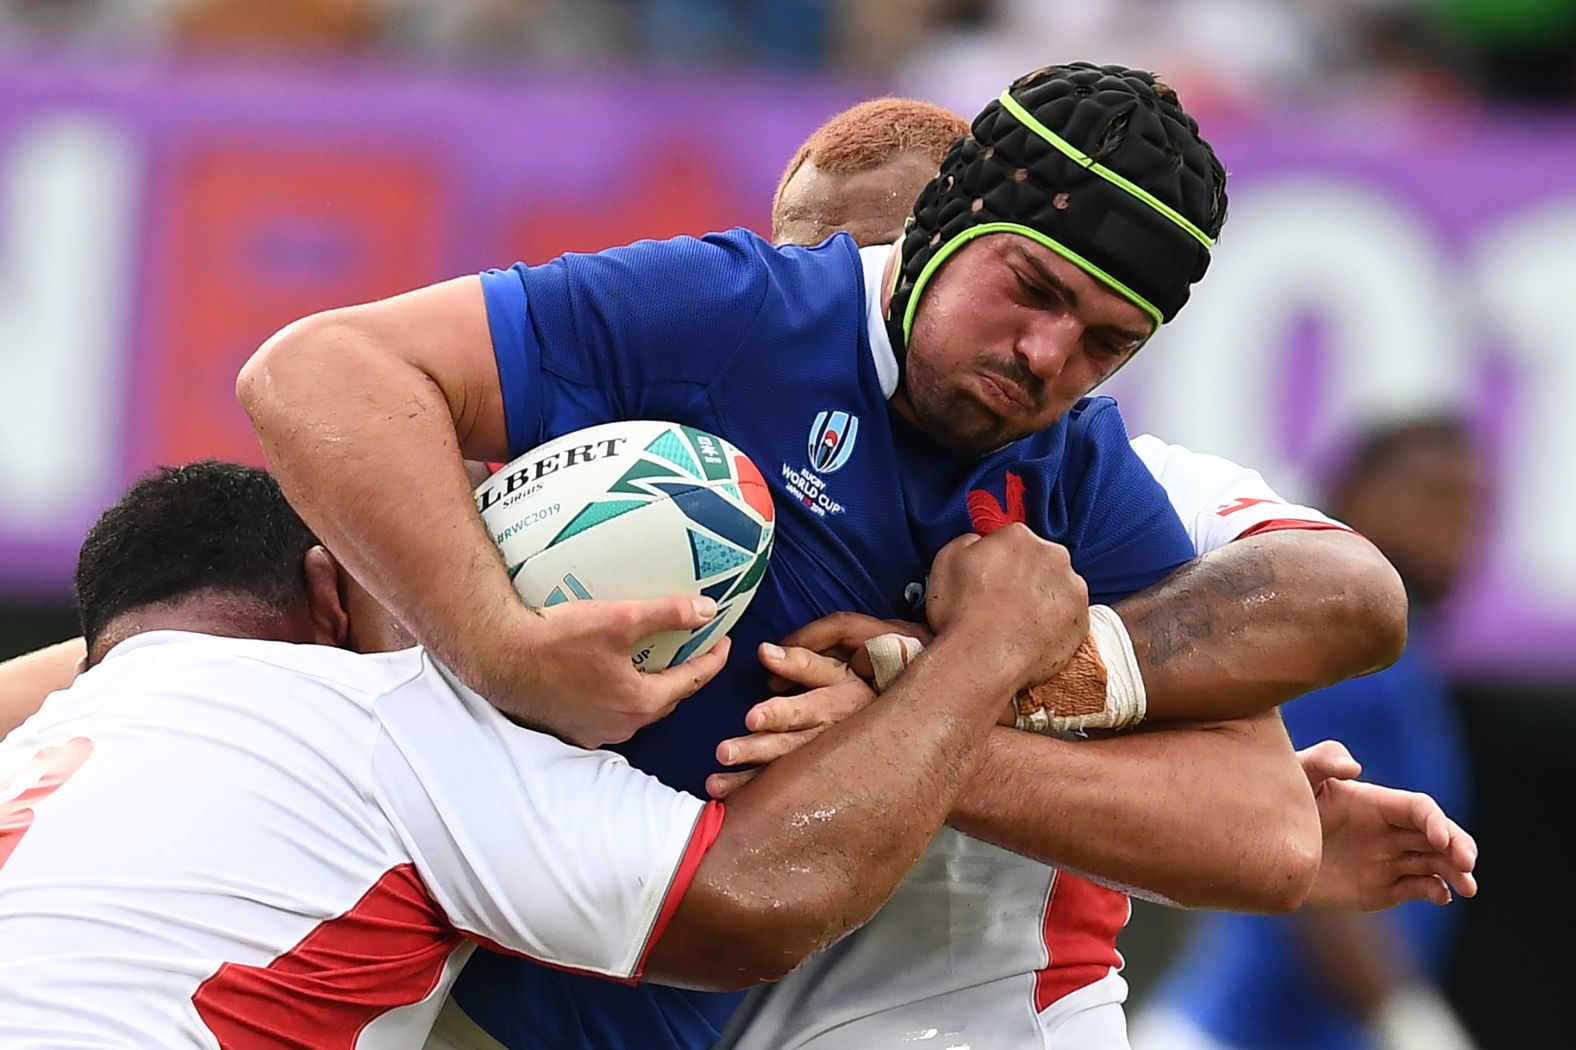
column 250, row 660
column 832, row 266
column 1090, row 424
column 1096, row 416
column 835, row 259
column 738, row 248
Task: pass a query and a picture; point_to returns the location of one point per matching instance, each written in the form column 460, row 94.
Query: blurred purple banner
column 158, row 222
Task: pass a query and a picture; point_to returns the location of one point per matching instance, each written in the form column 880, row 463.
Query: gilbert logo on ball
column 638, row 509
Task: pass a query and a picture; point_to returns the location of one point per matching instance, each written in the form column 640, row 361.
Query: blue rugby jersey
column 772, row 349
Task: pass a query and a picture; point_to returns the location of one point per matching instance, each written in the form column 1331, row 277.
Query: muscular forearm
column 1206, row 816
column 815, row 843
column 27, row 679
column 367, row 448
column 1262, row 620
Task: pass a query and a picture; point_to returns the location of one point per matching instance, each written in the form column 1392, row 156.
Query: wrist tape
column 1100, row 688
column 889, row 655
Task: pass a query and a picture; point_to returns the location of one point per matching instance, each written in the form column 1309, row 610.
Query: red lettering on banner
column 264, row 234
column 672, row 192
column 48, row 769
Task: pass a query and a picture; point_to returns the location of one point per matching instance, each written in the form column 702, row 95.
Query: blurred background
column 179, row 178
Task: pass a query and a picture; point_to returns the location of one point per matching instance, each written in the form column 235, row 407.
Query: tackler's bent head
column 1099, row 163
column 215, row 548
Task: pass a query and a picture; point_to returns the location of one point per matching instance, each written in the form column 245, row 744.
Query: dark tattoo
column 1185, row 605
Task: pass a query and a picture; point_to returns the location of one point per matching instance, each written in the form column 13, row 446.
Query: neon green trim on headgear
column 946, row 250
column 1082, row 159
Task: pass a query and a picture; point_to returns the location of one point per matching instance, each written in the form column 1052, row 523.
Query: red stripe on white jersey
column 1290, row 524
column 1080, row 927
column 707, row 826
column 387, row 951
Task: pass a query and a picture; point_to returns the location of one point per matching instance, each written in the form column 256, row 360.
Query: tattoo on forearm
column 1187, row 605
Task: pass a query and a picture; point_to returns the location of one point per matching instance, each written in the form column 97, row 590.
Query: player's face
column 1007, row 337
column 870, row 206
column 1421, row 510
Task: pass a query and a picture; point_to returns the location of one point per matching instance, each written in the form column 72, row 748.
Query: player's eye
column 1035, row 292
column 1113, row 349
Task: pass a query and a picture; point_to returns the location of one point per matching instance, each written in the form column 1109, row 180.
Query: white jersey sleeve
column 531, row 845
column 1219, row 501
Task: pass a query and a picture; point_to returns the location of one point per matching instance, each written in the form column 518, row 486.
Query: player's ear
column 373, row 628
column 325, row 608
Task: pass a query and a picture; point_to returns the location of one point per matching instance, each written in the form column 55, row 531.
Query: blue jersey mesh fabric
column 755, row 343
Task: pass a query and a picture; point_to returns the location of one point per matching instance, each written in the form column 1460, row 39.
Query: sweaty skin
column 365, row 411
column 1303, row 609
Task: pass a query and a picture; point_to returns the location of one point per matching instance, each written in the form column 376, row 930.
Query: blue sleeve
column 1124, row 535
column 1364, row 714
column 627, row 333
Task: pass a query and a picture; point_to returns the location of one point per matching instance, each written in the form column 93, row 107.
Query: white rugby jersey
column 212, row 842
column 981, row 947
column 1219, row 501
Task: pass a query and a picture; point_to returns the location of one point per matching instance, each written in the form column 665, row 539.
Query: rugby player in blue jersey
column 849, row 177
column 1071, row 224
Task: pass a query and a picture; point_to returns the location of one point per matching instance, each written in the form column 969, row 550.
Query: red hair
column 872, row 133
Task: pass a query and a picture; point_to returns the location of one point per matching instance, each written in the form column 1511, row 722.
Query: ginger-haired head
column 861, row 171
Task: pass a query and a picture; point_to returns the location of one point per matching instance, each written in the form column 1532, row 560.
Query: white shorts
column 1085, row 1020
column 1088, row 1019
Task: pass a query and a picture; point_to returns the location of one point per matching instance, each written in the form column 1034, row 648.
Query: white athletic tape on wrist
column 1126, row 702
column 889, row 655
column 1036, row 721
column 1107, row 663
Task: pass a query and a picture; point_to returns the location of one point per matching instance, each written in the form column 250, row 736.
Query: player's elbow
column 1295, row 849
column 773, row 933
column 285, row 366
column 746, row 933
column 1374, row 606
column 1359, row 618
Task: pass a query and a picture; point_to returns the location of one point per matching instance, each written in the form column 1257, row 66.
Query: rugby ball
column 637, row 509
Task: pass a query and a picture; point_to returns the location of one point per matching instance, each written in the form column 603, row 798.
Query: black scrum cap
column 1092, row 162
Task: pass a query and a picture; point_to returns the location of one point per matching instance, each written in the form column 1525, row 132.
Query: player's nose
column 1047, row 342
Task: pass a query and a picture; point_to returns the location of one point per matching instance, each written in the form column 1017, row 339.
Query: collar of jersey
column 147, row 639
column 874, row 261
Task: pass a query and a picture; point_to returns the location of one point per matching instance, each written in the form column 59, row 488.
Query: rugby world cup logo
column 832, row 441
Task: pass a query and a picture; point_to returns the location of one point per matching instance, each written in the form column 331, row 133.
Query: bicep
column 441, row 334
column 627, row 333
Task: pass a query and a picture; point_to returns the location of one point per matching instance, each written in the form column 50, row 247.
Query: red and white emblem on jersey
column 987, row 514
column 832, row 441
